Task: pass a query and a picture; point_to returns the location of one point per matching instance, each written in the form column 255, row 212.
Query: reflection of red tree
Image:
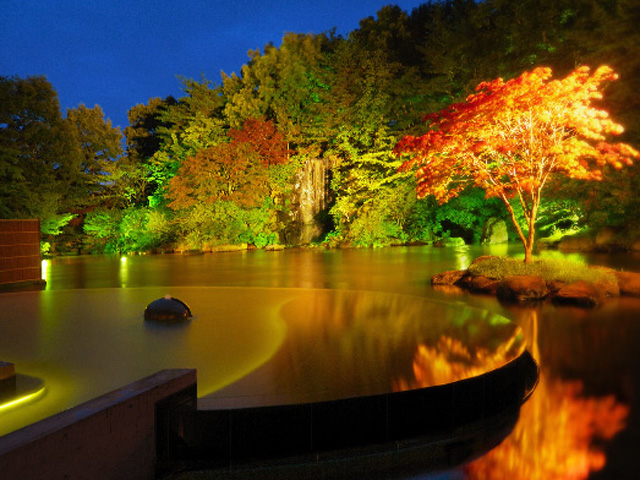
column 554, row 438
column 451, row 360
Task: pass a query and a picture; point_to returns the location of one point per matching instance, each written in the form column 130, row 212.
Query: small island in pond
column 562, row 282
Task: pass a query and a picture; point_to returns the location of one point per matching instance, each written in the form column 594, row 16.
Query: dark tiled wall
column 19, row 251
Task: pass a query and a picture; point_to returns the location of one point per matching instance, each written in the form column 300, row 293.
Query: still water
column 583, row 421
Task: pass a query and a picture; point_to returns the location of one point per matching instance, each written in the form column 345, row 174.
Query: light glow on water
column 294, row 345
column 21, row 400
column 44, row 269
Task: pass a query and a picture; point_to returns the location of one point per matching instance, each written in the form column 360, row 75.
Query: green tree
column 40, row 162
column 100, row 147
column 134, row 181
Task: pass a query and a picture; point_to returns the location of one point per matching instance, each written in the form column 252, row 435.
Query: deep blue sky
column 119, row 53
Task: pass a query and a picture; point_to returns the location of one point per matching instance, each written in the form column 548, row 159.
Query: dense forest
column 298, row 148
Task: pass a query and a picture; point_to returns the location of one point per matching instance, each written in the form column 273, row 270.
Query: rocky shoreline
column 534, row 288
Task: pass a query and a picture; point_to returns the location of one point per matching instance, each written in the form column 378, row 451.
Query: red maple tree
column 235, row 171
column 510, row 137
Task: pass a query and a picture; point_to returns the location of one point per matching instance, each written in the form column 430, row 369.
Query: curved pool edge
column 435, row 420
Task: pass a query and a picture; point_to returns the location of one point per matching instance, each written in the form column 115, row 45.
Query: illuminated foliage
column 510, row 137
column 268, row 144
column 235, row 171
column 99, row 144
column 228, row 171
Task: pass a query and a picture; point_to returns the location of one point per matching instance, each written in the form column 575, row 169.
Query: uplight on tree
column 509, row 138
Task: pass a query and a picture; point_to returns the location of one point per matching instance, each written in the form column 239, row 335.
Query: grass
column 548, row 268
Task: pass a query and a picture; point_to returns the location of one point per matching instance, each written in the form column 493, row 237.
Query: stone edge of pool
column 152, row 427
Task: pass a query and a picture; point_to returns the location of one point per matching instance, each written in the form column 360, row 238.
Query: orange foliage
column 266, row 141
column 508, row 138
column 451, row 360
column 554, row 438
column 235, row 171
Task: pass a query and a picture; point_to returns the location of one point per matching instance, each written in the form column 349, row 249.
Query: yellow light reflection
column 124, row 271
column 21, row 400
column 44, row 270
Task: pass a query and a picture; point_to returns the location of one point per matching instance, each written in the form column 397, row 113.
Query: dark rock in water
column 450, row 277
column 167, row 310
column 629, row 283
column 483, row 285
column 579, row 294
column 522, row 289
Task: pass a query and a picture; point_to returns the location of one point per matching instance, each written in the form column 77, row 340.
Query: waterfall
column 311, row 197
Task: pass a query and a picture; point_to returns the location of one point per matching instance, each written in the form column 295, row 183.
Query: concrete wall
column 114, row 436
column 19, row 251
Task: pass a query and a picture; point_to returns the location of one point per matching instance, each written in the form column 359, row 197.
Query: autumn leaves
column 509, row 138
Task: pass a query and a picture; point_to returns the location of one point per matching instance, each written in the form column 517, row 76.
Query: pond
column 581, row 422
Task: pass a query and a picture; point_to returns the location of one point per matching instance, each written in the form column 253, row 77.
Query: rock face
column 494, row 232
column 481, row 284
column 523, row 289
column 311, row 197
column 167, row 310
column 579, row 294
column 629, row 283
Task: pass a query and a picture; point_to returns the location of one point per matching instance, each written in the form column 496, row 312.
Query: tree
column 511, row 137
column 236, row 170
column 143, row 141
column 99, row 144
column 40, row 161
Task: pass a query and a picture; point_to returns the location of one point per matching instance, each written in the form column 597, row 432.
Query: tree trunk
column 528, row 252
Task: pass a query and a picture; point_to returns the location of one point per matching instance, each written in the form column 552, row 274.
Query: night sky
column 119, row 53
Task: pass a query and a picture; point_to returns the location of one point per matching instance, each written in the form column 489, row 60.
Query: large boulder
column 482, row 284
column 580, row 294
column 629, row 283
column 522, row 289
column 494, row 232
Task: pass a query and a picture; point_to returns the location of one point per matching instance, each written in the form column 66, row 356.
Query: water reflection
column 450, row 360
column 344, row 344
column 589, row 357
column 563, row 429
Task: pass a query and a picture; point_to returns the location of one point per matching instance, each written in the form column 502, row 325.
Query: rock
column 274, row 247
column 579, row 294
column 450, row 277
column 450, row 242
column 629, row 283
column 167, row 310
column 522, row 288
column 494, row 232
column 554, row 286
column 482, row 284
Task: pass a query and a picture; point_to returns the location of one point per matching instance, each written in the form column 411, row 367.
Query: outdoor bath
column 268, row 329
